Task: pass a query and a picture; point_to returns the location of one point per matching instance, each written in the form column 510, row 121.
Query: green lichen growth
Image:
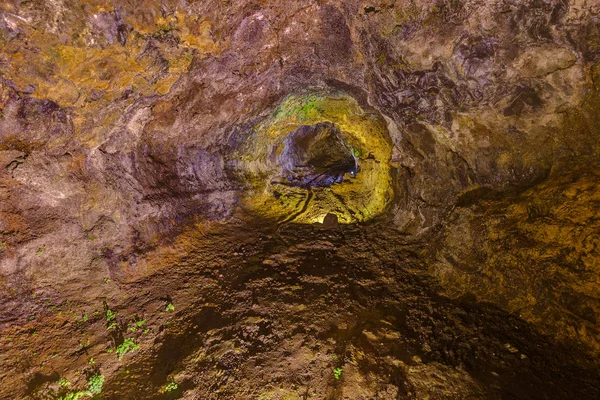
column 171, row 386
column 128, row 346
column 337, row 373
column 74, row 395
column 110, row 315
column 64, row 382
column 302, row 107
column 137, row 325
column 95, row 383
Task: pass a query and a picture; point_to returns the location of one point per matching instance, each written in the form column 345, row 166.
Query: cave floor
column 251, row 311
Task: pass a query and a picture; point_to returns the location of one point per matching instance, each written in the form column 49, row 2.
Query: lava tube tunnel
column 294, row 200
column 318, row 154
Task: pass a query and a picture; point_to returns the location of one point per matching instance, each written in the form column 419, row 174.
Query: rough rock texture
column 139, row 142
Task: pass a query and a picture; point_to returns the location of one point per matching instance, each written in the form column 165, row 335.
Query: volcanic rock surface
column 271, row 199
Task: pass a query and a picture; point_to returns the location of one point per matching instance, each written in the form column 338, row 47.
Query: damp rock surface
column 294, row 200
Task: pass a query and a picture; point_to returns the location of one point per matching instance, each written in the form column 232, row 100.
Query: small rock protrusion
column 330, row 221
